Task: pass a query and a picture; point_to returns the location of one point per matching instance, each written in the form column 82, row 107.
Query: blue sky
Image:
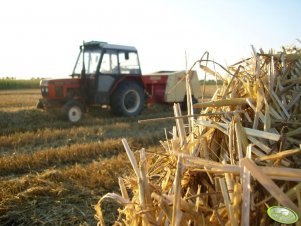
column 41, row 38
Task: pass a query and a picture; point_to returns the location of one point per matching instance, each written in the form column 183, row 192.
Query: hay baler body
column 170, row 86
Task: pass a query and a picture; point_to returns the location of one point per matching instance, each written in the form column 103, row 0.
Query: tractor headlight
column 44, row 91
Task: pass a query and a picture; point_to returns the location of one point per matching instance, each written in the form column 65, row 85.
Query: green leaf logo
column 282, row 214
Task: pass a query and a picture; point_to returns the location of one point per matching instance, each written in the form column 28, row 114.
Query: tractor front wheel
column 128, row 99
column 74, row 111
column 40, row 105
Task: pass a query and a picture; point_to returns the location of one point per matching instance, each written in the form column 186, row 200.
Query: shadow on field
column 148, row 111
column 34, row 119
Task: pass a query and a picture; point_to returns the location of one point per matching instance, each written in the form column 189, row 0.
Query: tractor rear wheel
column 128, row 99
column 74, row 111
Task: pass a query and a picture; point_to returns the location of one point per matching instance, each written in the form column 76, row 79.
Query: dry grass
column 10, row 99
column 209, row 90
column 59, row 196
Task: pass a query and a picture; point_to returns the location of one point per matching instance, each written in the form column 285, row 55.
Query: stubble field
column 53, row 172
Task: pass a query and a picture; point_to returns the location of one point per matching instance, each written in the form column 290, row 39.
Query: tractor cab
column 100, row 57
column 104, row 74
column 100, row 65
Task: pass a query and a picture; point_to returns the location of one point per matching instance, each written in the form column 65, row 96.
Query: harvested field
column 52, row 172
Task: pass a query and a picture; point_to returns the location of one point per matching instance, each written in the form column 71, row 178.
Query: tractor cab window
column 91, row 58
column 109, row 64
column 129, row 63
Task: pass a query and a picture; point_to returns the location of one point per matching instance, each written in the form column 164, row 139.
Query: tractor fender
column 131, row 78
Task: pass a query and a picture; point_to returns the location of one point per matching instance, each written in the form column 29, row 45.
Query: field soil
column 53, row 172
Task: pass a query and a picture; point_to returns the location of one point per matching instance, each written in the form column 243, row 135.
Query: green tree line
column 13, row 83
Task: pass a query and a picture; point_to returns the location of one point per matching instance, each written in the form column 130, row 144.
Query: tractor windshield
column 91, row 58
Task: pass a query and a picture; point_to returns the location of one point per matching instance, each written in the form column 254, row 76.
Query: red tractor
column 104, row 74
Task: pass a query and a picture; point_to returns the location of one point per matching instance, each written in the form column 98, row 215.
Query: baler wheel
column 184, row 103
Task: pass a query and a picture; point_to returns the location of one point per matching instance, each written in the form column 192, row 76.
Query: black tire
column 128, row 99
column 40, row 105
column 184, row 103
column 73, row 110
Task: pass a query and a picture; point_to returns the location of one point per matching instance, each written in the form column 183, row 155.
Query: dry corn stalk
column 222, row 169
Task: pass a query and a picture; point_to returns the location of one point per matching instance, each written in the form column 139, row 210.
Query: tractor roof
column 106, row 45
